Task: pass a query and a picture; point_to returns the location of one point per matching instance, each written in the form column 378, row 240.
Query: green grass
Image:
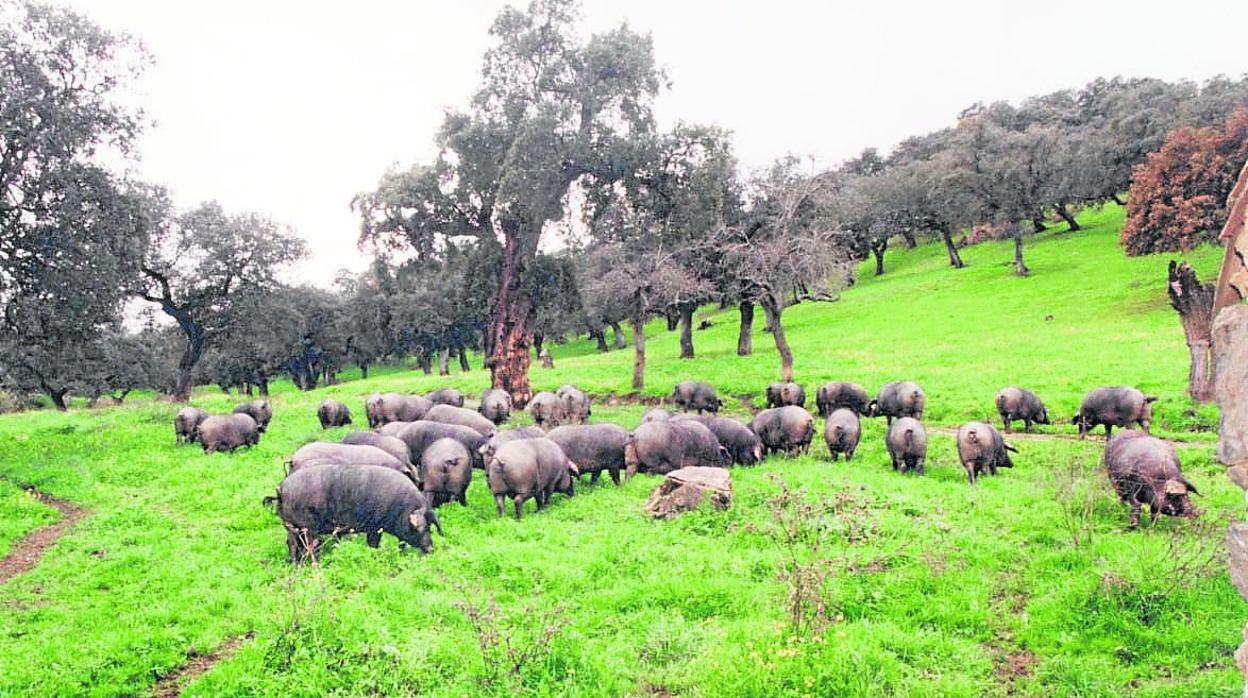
column 944, row 589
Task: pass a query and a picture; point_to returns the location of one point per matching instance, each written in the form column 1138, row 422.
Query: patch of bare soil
column 170, row 685
column 1014, row 665
column 26, row 553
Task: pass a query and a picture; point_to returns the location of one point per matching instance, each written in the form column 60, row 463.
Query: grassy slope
column 982, row 590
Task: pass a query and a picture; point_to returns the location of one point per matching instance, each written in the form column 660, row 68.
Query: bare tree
column 787, row 247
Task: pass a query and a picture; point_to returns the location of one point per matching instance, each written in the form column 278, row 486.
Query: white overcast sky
column 292, row 107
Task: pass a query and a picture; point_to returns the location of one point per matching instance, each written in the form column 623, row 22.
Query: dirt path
column 170, row 685
column 26, row 553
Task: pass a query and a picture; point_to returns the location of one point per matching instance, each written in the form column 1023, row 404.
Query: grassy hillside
column 1026, row 584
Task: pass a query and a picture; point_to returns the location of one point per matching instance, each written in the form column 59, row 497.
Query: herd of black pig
column 420, row 451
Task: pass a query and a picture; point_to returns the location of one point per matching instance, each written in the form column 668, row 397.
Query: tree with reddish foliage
column 1178, row 196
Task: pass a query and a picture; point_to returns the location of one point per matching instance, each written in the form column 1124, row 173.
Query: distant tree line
column 556, row 207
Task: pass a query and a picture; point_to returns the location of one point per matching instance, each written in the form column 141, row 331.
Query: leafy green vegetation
column 1026, row 584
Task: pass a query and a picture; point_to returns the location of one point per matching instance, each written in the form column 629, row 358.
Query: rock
column 685, row 489
column 1230, row 379
column 1237, row 545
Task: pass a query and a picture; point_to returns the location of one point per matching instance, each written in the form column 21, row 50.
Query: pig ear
column 1150, row 399
column 417, row 519
column 433, row 518
column 1009, row 446
column 1190, row 487
column 1176, row 486
column 573, row 469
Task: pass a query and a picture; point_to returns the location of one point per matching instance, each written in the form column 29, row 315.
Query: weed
column 1076, row 493
column 508, row 641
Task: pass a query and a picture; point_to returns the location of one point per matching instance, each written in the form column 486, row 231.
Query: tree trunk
column 1194, row 303
column 1020, row 267
column 1064, row 213
column 600, row 336
column 190, row 356
column 772, row 309
column 908, row 236
column 745, row 337
column 686, row 330
column 509, row 364
column 363, row 369
column 673, row 319
column 878, row 248
column 464, row 366
column 955, row 259
column 58, row 399
column 263, row 382
column 538, row 339
column 1117, row 200
column 444, row 361
column 1038, row 224
column 120, row 397
column 621, row 342
column 639, row 354
column 425, row 362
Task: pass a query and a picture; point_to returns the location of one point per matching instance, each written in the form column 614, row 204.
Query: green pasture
column 866, row 583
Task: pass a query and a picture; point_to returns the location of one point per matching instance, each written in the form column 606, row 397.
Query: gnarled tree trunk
column 1065, row 214
column 772, row 309
column 621, row 342
column 955, row 259
column 463, row 360
column 878, row 248
column 745, row 337
column 1194, row 303
column 686, row 329
column 509, row 364
column 444, row 361
column 600, row 336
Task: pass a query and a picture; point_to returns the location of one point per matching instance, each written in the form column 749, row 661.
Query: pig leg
column 498, row 504
column 373, row 538
column 615, row 475
column 1134, row 519
column 519, row 500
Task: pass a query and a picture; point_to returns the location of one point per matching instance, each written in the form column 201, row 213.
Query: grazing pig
column 661, row 447
column 593, row 448
column 259, row 410
column 184, row 423
column 907, row 444
column 390, row 444
column 446, row 396
column 691, row 395
column 333, row 498
column 837, row 394
column 1020, row 403
column 383, row 408
column 226, row 432
column 743, row 445
column 898, row 399
column 322, row 452
column 445, row 472
column 576, row 404
column 501, row 437
column 1115, row 406
column 529, row 468
column 657, row 414
column 841, row 432
column 495, row 405
column 781, row 394
column 787, row 429
column 418, row 436
column 1145, row 470
column 547, row 410
column 981, row 447
column 449, row 414
column 333, row 414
